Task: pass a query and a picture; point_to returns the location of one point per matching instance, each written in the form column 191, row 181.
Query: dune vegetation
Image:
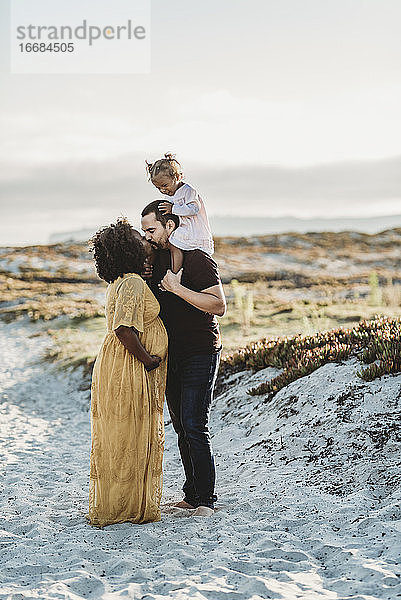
column 376, row 343
column 308, row 298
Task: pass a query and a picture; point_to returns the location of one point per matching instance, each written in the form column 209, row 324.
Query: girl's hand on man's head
column 165, row 208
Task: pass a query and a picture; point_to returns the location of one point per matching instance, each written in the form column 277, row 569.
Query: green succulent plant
column 376, row 340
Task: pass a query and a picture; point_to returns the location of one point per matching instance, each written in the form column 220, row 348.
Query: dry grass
column 77, row 346
column 287, row 286
column 50, row 307
column 44, row 297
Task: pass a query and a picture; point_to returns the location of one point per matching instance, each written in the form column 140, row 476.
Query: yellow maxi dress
column 127, row 427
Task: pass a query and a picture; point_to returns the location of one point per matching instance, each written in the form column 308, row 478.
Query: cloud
column 336, row 189
column 215, row 128
column 243, row 153
column 218, row 126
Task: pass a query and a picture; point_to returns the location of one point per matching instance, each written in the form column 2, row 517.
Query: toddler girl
column 183, row 200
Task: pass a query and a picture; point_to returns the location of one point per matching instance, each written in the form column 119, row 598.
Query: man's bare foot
column 183, row 504
column 203, row 511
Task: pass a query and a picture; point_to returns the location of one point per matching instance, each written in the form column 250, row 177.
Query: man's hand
column 147, row 270
column 165, row 208
column 171, row 282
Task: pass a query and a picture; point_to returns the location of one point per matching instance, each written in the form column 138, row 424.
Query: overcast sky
column 274, row 107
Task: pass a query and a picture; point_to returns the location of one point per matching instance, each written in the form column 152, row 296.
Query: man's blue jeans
column 189, row 392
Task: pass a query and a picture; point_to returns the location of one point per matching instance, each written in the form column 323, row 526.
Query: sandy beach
column 274, row 130
column 308, row 500
column 284, row 120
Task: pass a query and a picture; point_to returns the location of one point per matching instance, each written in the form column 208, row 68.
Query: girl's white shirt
column 194, row 230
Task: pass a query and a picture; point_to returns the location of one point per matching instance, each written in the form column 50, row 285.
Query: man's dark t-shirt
column 190, row 330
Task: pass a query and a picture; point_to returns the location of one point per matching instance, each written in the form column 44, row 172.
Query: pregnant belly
column 154, row 339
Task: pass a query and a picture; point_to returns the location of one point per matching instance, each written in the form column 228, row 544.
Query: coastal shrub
column 383, row 355
column 377, row 339
column 244, row 303
column 375, row 294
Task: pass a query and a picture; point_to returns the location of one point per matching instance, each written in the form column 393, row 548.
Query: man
column 189, row 302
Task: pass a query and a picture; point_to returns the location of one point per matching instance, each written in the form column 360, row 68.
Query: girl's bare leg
column 177, row 258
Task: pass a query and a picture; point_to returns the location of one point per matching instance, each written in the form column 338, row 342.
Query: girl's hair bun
column 168, row 165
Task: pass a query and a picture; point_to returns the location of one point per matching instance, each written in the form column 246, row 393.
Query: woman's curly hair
column 117, row 250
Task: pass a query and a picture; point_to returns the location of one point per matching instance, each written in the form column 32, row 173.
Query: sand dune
column 299, row 517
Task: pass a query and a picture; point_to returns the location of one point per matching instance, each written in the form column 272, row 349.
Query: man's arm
column 210, row 300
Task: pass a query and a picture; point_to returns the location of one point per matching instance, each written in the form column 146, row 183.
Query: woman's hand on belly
column 154, row 363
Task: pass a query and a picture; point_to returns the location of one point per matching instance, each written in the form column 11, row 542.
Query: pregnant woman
column 128, row 385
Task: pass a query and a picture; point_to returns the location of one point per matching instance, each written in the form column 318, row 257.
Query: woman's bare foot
column 183, row 504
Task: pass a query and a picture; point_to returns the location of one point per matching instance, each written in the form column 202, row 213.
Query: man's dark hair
column 117, row 250
column 153, row 207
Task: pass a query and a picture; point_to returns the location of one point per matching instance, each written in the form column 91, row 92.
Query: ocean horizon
column 30, row 230
column 227, row 226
